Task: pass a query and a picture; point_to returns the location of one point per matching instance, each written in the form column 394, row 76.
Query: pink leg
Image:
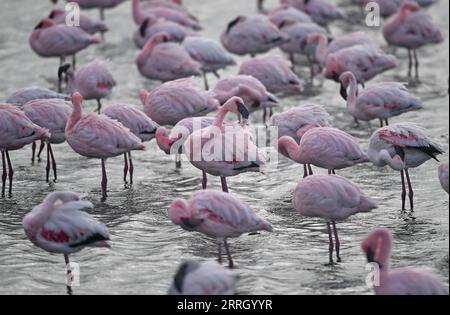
column 330, row 244
column 41, row 148
column 11, row 173
column 411, row 191
column 125, row 169
column 33, row 152
column 338, row 243
column 230, row 260
column 204, row 180
column 131, row 168
column 104, row 181
column 224, row 184
column 4, row 174
column 52, row 156
column 403, row 191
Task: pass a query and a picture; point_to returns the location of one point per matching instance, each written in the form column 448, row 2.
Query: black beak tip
column 243, row 111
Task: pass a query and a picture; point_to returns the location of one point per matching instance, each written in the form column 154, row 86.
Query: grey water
column 147, row 248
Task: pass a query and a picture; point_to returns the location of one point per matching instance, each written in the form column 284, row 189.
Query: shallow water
column 147, row 247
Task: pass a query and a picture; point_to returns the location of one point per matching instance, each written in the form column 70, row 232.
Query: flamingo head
column 333, row 69
column 179, row 211
column 144, row 95
column 163, row 140
column 377, row 246
column 55, row 13
column 346, row 79
column 410, row 6
column 237, row 106
column 77, row 99
column 161, row 37
column 45, row 23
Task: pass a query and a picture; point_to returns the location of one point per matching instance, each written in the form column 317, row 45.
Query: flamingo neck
column 146, row 51
column 288, row 147
column 321, row 51
column 137, row 12
column 352, row 95
column 77, row 114
column 220, row 118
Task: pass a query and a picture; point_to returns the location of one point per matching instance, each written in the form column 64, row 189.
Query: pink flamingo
column 102, row 5
column 25, row 95
column 174, row 101
column 296, row 121
column 332, row 198
column 203, row 278
column 364, row 61
column 237, row 154
column 402, row 147
column 94, row 80
column 324, row 147
column 16, row 131
column 274, row 72
column 250, row 89
column 380, row 101
column 443, row 176
column 51, row 114
column 88, row 24
column 59, row 40
column 403, row 281
column 390, row 7
column 322, row 12
column 170, row 14
column 217, row 215
column 99, row 137
column 60, row 225
column 251, row 35
column 288, row 15
column 151, row 27
column 166, row 61
column 412, row 28
column 138, row 123
column 210, row 54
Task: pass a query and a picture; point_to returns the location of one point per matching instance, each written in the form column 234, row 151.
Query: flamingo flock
column 211, row 127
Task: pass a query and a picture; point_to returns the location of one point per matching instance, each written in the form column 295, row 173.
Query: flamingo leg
column 410, row 65
column 178, row 160
column 305, row 171
column 224, row 184
column 41, row 148
column 125, row 168
column 356, row 122
column 220, row 253
column 292, row 59
column 68, row 274
column 230, row 260
column 387, row 122
column 11, row 172
column 411, row 191
column 204, row 180
column 33, row 152
column 52, row 156
column 265, row 116
column 74, row 62
column 205, row 79
column 310, row 169
column 333, row 172
column 330, row 242
column 102, row 17
column 381, row 123
column 338, row 243
column 104, row 181
column 403, row 190
column 216, row 74
column 4, row 174
column 416, row 64
column 131, row 168
column 99, row 106
column 47, row 168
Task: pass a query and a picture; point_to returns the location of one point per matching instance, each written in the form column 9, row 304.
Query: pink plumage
column 88, row 24
column 322, row 12
column 403, row 281
column 96, row 4
column 286, row 15
column 217, row 215
column 27, row 94
column 443, row 176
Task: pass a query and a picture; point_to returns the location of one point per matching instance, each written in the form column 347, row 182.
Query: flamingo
column 402, row 281
column 59, row 225
column 274, row 72
column 251, row 35
column 412, row 28
column 324, row 147
column 225, row 150
column 203, row 278
column 296, row 121
column 217, row 215
column 16, row 131
column 166, row 61
column 443, row 176
column 99, row 137
column 332, row 198
column 138, row 123
column 87, row 24
column 380, row 101
column 210, row 54
column 94, row 80
column 386, row 7
column 27, row 94
column 174, row 101
column 102, row 5
column 284, row 15
column 402, row 146
column 365, row 61
column 51, row 114
column 250, row 89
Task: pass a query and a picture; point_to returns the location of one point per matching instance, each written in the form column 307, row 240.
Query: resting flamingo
column 324, row 147
column 332, row 198
column 16, row 131
column 402, row 281
column 87, row 24
column 31, row 93
column 443, row 176
column 217, row 215
column 322, row 12
column 284, row 15
column 402, row 146
column 380, row 101
column 59, row 225
column 99, row 137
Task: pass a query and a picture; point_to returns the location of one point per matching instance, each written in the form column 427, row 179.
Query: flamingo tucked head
column 333, row 70
column 179, row 211
column 163, row 140
column 237, row 106
column 55, row 13
column 410, row 6
column 346, row 79
column 377, row 245
column 45, row 23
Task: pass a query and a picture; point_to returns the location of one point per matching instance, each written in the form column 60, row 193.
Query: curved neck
column 321, row 51
column 137, row 13
column 220, row 118
column 290, row 148
column 352, row 94
column 146, row 51
column 77, row 114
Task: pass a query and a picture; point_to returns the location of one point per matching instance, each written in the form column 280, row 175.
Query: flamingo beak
column 370, row 254
column 243, row 110
column 344, row 92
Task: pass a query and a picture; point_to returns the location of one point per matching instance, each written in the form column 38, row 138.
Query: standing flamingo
column 102, row 5
column 332, row 198
column 138, row 123
column 16, row 131
column 206, row 278
column 443, row 176
column 59, row 225
column 51, row 114
column 402, row 147
column 99, row 137
column 251, row 35
column 174, row 101
column 210, row 54
column 225, row 150
column 274, row 72
column 288, row 15
column 25, row 95
column 402, row 281
column 87, row 24
column 324, row 147
column 296, row 121
column 380, row 101
column 94, row 80
column 163, row 60
column 217, row 215
column 412, row 28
